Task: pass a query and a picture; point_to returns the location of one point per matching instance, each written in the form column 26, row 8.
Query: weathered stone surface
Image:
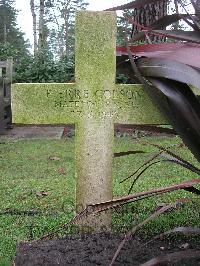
column 133, row 106
column 95, row 72
column 61, row 103
column 94, row 103
column 44, row 103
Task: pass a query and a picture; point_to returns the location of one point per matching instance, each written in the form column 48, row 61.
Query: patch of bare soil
column 98, row 249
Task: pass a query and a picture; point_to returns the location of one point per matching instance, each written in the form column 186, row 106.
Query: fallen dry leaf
column 54, row 158
column 41, row 194
column 61, row 171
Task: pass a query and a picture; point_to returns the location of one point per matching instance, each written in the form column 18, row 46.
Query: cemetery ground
column 38, row 196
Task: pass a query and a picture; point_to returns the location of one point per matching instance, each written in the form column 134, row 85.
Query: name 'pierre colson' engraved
column 75, row 98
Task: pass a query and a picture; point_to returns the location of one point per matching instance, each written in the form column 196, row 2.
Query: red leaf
column 188, row 54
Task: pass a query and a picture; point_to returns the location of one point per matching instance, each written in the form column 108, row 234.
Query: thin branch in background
column 191, row 17
column 196, row 7
column 194, row 27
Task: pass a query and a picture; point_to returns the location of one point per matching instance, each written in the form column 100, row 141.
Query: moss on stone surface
column 64, row 103
column 43, row 103
column 133, row 106
column 93, row 103
column 95, row 67
column 95, row 60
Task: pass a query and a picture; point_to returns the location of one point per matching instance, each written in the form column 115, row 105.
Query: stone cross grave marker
column 94, row 103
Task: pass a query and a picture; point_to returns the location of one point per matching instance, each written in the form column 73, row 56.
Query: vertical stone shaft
column 95, row 78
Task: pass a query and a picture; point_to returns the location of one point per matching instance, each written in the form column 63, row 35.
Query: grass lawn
column 37, row 194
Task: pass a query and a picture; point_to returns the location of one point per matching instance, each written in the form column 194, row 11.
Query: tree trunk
column 4, row 33
column 176, row 24
column 196, row 4
column 41, row 28
column 148, row 14
column 66, row 17
column 4, row 26
column 32, row 4
column 66, row 29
